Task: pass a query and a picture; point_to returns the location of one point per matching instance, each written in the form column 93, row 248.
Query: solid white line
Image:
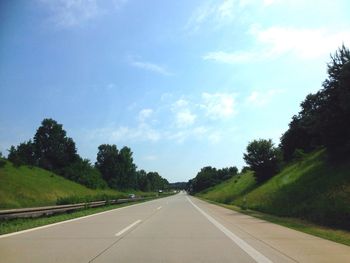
column 127, row 228
column 74, row 219
column 256, row 255
column 159, row 208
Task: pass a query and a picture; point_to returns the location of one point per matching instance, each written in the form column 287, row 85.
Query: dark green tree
column 24, row 153
column 324, row 116
column 107, row 164
column 205, row 178
column 82, row 172
column 335, row 110
column 156, row 182
column 300, row 135
column 209, row 176
column 53, row 149
column 142, row 181
column 263, row 158
column 126, row 169
column 226, row 173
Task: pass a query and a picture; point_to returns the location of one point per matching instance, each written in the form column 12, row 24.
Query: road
column 177, row 229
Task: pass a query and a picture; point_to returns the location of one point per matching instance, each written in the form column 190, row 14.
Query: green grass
column 229, row 190
column 14, row 225
column 336, row 235
column 30, row 187
column 311, row 189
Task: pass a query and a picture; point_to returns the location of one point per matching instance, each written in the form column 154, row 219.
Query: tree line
column 323, row 122
column 209, row 176
column 52, row 150
column 324, row 119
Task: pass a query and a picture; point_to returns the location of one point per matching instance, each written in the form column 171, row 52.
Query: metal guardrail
column 50, row 210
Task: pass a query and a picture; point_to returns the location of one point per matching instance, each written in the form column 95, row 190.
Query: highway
column 177, row 229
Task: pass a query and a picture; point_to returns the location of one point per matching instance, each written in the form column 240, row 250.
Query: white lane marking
column 127, row 228
column 74, row 219
column 256, row 255
column 160, row 207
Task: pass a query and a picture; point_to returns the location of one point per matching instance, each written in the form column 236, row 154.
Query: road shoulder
column 273, row 240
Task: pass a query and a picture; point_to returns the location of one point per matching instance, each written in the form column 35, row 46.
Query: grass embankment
column 15, row 225
column 312, row 190
column 32, row 186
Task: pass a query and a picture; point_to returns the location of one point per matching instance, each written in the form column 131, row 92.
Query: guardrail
column 50, row 210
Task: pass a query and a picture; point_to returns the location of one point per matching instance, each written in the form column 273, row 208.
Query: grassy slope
column 310, row 189
column 28, row 187
column 228, row 191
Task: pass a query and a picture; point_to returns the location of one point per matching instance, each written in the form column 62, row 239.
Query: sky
column 184, row 84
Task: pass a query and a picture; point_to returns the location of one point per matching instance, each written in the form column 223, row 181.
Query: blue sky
column 185, row 84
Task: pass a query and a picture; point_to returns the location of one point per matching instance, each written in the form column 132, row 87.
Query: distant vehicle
column 132, row 196
column 160, row 191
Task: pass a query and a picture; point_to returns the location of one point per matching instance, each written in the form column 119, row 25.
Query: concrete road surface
column 174, row 229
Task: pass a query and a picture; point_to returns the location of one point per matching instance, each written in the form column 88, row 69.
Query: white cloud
column 277, row 41
column 71, row 13
column 145, row 114
column 150, row 67
column 185, row 118
column 218, row 105
column 226, row 57
column 218, row 14
column 225, row 9
column 191, row 119
column 214, row 137
column 200, row 133
column 180, row 103
column 259, row 99
column 183, row 115
column 112, row 134
column 150, row 157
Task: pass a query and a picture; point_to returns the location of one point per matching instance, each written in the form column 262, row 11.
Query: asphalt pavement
column 177, row 229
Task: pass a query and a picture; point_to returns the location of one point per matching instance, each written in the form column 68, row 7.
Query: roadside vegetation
column 27, row 186
column 307, row 176
column 47, row 170
column 312, row 189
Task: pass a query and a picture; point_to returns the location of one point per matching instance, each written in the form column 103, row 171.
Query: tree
column 126, row 169
column 263, row 158
column 156, row 182
column 335, row 114
column 300, row 135
column 107, row 163
column 24, row 153
column 226, row 173
column 82, row 172
column 53, row 149
column 324, row 116
column 209, row 176
column 142, row 181
column 117, row 167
